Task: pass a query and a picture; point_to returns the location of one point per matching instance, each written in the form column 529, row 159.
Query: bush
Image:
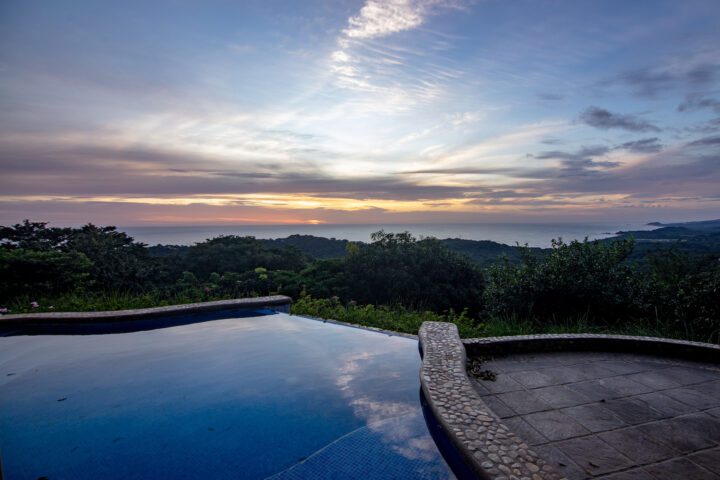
column 684, row 291
column 35, row 273
column 398, row 269
column 118, row 262
column 237, row 254
column 573, row 280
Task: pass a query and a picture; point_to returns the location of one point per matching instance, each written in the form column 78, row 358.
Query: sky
column 365, row 111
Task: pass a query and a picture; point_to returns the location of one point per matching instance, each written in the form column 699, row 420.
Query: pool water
column 266, row 395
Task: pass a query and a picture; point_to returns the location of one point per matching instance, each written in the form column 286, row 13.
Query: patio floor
column 611, row 415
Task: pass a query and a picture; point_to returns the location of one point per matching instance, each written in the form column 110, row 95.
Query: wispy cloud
column 388, row 75
column 378, row 18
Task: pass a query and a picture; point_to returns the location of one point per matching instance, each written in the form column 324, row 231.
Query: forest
column 665, row 282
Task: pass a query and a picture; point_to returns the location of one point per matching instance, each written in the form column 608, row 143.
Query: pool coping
column 280, row 303
column 471, row 425
column 488, row 446
column 390, row 333
column 666, row 347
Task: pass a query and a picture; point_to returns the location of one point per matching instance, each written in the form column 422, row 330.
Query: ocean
column 534, row 234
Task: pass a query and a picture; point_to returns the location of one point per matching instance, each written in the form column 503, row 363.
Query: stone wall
column 487, row 446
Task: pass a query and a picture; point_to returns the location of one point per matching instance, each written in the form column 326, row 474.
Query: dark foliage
column 599, row 284
column 575, row 279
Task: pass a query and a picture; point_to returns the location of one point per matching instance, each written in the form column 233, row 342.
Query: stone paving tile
column 624, row 386
column 573, row 358
column 680, row 468
column 634, row 474
column 655, row 380
column 633, row 411
column 677, row 434
column 523, row 402
column 711, row 389
column 689, row 376
column 543, row 361
column 479, row 386
column 594, row 390
column 555, row 425
column 594, row 456
column 533, row 379
column 637, row 446
column 502, row 383
column 567, row 374
column 595, row 371
column 559, row 396
column 525, row 431
column 702, row 424
column 498, row 407
column 709, row 459
column 692, row 397
column 561, row 462
column 595, row 417
column 622, row 367
column 508, row 366
column 664, row 404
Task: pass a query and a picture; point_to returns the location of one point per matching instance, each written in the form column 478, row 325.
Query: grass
column 400, row 319
column 396, row 318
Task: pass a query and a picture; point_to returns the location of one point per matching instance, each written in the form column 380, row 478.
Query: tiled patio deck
column 611, row 415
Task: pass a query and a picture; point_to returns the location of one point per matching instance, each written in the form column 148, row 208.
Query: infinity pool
column 252, row 396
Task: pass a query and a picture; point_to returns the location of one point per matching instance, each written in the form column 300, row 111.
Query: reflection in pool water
column 227, row 398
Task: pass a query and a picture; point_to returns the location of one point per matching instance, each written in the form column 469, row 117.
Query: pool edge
column 488, row 446
column 280, row 303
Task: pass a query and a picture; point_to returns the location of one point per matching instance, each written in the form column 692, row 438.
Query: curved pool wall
column 255, row 395
column 487, row 446
column 279, row 303
column 475, row 432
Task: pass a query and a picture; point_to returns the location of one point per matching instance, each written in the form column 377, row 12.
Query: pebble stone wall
column 491, row 450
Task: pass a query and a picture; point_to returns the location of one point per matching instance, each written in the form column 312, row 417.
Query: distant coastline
column 534, row 234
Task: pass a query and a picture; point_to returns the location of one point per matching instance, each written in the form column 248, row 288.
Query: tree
column 30, row 273
column 33, row 236
column 575, row 279
column 398, row 269
column 118, row 262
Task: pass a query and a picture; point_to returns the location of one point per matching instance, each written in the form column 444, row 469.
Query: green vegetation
column 394, row 282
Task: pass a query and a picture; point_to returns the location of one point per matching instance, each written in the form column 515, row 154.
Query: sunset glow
column 363, row 111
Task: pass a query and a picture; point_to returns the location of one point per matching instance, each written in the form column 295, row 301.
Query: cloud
column 698, row 101
column 680, row 74
column 460, row 171
column 580, row 161
column 646, row 145
column 605, row 120
column 387, row 76
column 706, row 142
column 91, row 170
column 379, row 18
